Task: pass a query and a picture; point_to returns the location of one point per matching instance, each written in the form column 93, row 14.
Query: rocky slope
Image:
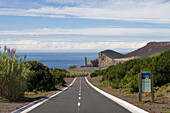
column 149, row 49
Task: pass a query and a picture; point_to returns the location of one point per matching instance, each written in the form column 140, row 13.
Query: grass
column 77, row 74
column 155, row 54
column 160, row 95
column 167, row 90
column 139, row 102
column 104, row 84
column 162, row 101
column 72, row 67
column 98, row 77
column 128, row 92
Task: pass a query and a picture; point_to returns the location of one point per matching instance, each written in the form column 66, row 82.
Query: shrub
column 58, row 76
column 125, row 75
column 72, row 67
column 12, row 75
column 40, row 77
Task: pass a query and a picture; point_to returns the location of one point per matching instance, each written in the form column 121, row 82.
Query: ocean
column 59, row 59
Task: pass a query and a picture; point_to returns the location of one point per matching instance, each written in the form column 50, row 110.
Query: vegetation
column 72, row 67
column 125, row 75
column 40, row 77
column 77, row 74
column 16, row 77
column 12, row 75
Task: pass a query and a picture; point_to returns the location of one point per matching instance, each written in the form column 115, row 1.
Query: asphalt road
column 80, row 98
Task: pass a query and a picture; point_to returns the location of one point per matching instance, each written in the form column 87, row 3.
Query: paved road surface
column 80, row 98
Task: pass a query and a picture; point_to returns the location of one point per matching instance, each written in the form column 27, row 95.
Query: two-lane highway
column 79, row 98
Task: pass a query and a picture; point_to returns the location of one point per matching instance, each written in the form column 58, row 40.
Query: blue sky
column 83, row 25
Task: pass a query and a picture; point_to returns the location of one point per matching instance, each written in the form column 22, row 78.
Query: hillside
column 109, row 57
column 112, row 54
column 149, row 49
column 106, row 58
column 125, row 75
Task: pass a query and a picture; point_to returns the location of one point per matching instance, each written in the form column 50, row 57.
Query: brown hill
column 149, row 49
column 109, row 57
column 112, row 54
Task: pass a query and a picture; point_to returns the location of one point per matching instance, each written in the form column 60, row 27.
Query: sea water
column 59, row 59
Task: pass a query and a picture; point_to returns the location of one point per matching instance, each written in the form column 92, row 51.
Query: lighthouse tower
column 85, row 61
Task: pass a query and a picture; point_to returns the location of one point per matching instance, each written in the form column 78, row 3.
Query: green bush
column 58, row 76
column 104, row 84
column 72, row 67
column 40, row 77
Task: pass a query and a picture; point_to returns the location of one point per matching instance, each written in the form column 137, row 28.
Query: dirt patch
column 7, row 106
column 160, row 105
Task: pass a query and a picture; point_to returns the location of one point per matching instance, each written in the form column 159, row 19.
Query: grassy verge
column 161, row 104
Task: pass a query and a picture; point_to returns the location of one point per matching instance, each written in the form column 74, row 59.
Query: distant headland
column 109, row 57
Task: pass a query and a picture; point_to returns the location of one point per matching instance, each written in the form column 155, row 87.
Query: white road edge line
column 123, row 103
column 35, row 104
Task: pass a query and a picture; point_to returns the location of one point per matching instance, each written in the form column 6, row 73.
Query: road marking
column 78, row 103
column 79, row 97
column 35, row 104
column 80, row 85
column 123, row 103
column 79, row 93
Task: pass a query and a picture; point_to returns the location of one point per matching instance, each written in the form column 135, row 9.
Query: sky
column 83, row 25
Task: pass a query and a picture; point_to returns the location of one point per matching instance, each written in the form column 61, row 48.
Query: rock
column 93, row 63
column 106, row 58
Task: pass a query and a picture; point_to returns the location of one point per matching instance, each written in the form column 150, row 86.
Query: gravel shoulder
column 7, row 106
column 161, row 104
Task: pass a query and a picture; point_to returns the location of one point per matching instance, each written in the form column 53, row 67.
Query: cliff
column 106, row 58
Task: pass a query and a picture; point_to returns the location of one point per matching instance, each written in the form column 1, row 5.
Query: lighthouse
column 85, row 61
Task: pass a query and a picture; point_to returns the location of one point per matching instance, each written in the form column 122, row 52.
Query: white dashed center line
column 79, row 96
column 78, row 104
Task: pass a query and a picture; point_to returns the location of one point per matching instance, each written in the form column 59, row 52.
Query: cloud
column 153, row 11
column 65, row 43
column 42, row 45
column 92, row 31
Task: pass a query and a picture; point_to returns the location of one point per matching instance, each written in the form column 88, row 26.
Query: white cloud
column 92, row 31
column 154, row 11
column 40, row 45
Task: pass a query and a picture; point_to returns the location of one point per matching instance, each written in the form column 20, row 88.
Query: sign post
column 146, row 83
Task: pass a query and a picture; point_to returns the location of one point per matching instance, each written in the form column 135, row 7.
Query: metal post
column 152, row 90
column 140, row 87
